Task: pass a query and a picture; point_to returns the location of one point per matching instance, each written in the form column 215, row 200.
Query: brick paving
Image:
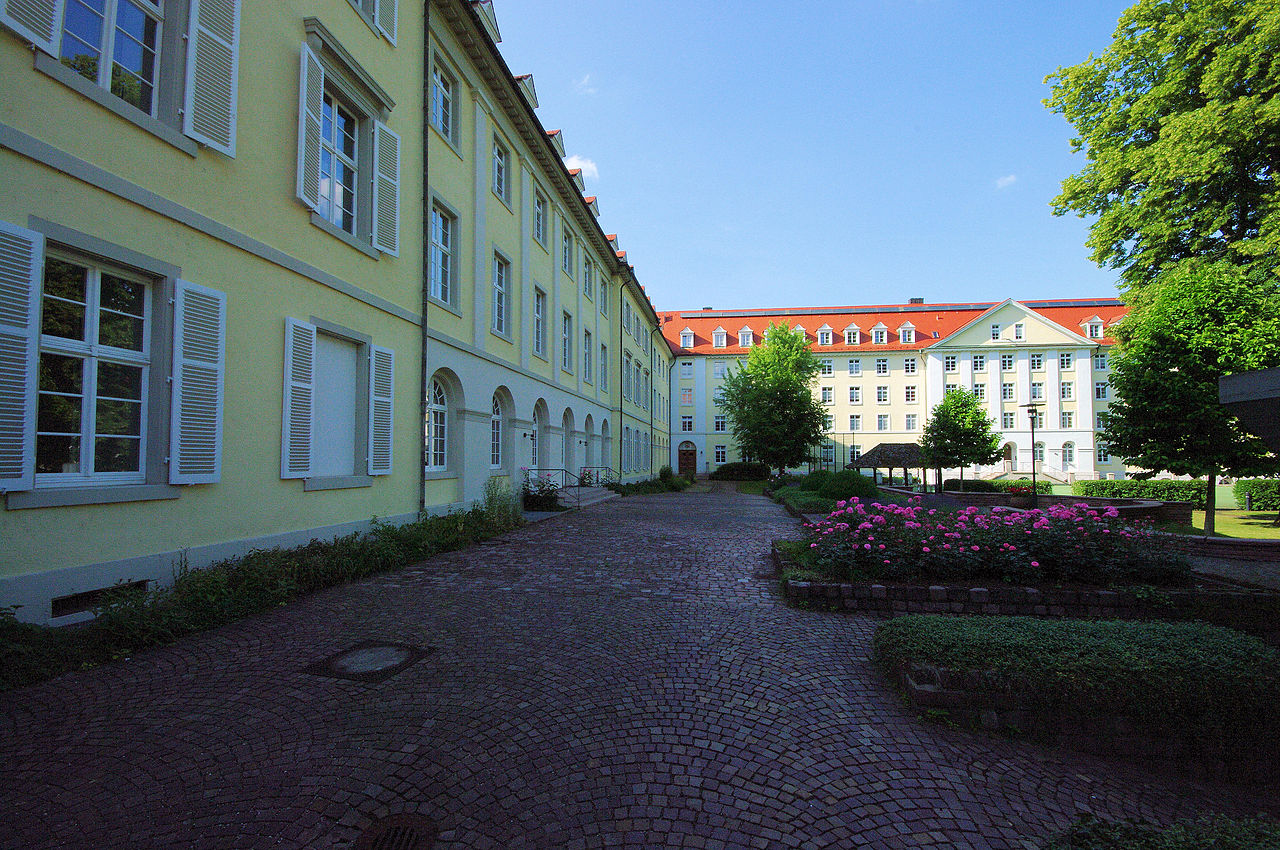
column 618, row 677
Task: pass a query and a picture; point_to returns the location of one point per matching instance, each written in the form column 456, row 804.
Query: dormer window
column 1095, row 330
column 852, row 335
column 686, row 338
column 745, row 338
column 719, row 338
column 825, row 335
column 879, row 335
column 907, row 334
column 800, row 330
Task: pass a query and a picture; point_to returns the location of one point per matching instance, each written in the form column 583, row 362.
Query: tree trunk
column 1210, row 502
column 939, row 471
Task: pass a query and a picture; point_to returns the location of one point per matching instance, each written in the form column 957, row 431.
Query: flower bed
column 1076, row 544
column 1194, row 697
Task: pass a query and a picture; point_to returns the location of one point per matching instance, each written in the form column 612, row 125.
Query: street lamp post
column 1033, row 410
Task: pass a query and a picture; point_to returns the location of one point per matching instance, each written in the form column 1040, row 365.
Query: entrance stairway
column 581, row 497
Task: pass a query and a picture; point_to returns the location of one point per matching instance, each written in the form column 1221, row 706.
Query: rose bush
column 1076, row 544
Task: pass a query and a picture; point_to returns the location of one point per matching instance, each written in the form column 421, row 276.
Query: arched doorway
column 566, row 424
column 688, row 458
column 1009, row 453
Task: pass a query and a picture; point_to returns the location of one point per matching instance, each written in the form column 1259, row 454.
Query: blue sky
column 765, row 154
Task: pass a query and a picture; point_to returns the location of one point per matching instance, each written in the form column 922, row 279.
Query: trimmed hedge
column 1216, row 833
column 802, row 500
column 999, row 485
column 230, row 590
column 1164, row 678
column 841, row 485
column 1160, row 491
column 670, row 484
column 1265, row 493
column 740, row 471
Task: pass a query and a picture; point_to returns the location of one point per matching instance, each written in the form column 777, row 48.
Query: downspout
column 426, row 283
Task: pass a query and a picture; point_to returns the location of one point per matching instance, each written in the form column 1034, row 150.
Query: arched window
column 437, row 428
column 1068, row 453
column 533, row 439
column 1038, row 453
column 495, row 434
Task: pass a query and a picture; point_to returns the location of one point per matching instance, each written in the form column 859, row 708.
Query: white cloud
column 588, row 166
column 1006, row 181
column 584, row 85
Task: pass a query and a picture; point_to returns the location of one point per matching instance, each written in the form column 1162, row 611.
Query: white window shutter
column 310, row 106
column 386, row 189
column 21, row 268
column 213, row 74
column 39, row 21
column 384, row 15
column 382, row 384
column 299, row 399
column 199, row 374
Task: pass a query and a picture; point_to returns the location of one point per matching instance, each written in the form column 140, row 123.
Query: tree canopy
column 769, row 404
column 1180, row 121
column 959, row 433
column 1198, row 321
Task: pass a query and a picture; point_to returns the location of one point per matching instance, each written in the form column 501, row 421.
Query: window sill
column 63, row 498
column 500, row 335
column 506, row 202
column 438, row 475
column 354, row 241
column 336, row 482
column 53, row 68
column 453, row 146
column 445, row 305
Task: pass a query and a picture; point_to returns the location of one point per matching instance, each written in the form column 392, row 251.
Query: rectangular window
column 1100, row 390
column 949, row 363
column 882, row 365
column 566, row 342
column 912, row 421
column 566, row 252
column 910, row 395
column 128, row 31
column 882, row 395
column 745, row 339
column 718, row 368
column 879, row 336
column 686, row 423
column 1017, row 331
column 828, row 422
column 722, row 455
column 855, row 422
column 588, row 277
column 824, row 337
column 949, row 388
column 1007, row 421
column 1102, row 454
column 1068, row 390
column 882, row 422
column 855, row 367
column 717, row 395
column 828, row 395
column 1095, row 330
column 540, row 218
column 1006, row 392
column 1037, row 362
column 1038, row 415
column 825, row 367
column 587, row 351
column 686, row 395
column 1006, row 362
column 1097, row 421
column 850, row 337
column 909, row 366
column 980, row 392
column 979, row 362
column 855, row 452
column 1065, row 360
column 719, row 339
column 626, row 375
column 1068, row 419
column 501, row 170
column 539, row 321
column 686, row 368
column 855, row 395
column 440, row 267
column 338, row 163
column 907, row 336
column 1037, row 391
column 442, row 103
column 1100, row 362
column 721, row 422
column 604, row 366
column 995, row 331
column 501, row 278
column 828, row 453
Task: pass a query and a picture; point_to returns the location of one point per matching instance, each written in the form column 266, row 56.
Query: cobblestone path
column 618, row 677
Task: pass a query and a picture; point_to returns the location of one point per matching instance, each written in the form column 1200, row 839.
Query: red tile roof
column 933, row 323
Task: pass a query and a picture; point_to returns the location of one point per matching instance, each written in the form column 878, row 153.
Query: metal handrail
column 600, row 474
column 550, row 472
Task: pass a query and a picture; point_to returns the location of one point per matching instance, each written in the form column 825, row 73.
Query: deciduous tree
column 769, row 402
column 959, row 433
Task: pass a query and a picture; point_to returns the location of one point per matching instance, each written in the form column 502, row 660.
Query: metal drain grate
column 371, row 661
column 399, row 832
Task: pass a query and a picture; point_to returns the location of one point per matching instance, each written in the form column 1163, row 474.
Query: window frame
column 442, row 290
column 442, row 117
column 500, row 169
column 539, row 317
column 499, row 296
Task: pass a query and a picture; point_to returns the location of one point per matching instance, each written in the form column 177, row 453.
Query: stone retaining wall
column 968, row 698
column 1226, row 547
column 1129, row 509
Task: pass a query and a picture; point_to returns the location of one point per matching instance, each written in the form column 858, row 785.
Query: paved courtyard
column 619, row 677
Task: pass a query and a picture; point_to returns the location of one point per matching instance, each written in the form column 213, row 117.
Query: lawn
column 753, row 488
column 1258, row 524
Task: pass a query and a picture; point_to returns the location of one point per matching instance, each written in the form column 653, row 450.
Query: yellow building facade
column 211, row 323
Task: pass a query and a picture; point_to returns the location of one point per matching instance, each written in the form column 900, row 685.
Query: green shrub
column 847, row 484
column 1264, row 493
column 501, row 507
column 1164, row 678
column 1161, row 491
column 132, row 619
column 650, row 486
column 740, row 471
column 803, row 500
column 1216, row 833
column 998, row 485
column 666, row 475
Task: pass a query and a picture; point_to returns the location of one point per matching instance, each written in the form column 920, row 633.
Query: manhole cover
column 371, row 661
column 399, row 832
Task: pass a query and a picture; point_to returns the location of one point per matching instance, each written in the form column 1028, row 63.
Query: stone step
column 574, row 497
